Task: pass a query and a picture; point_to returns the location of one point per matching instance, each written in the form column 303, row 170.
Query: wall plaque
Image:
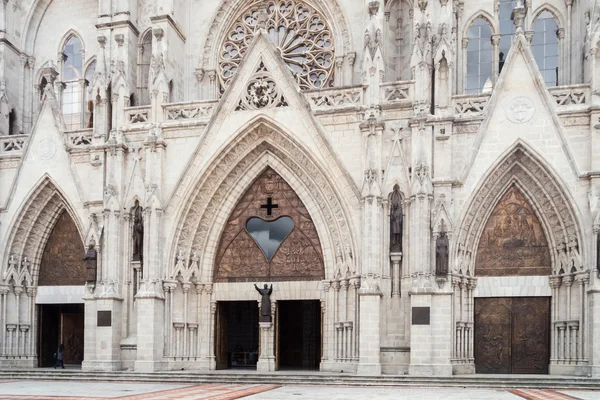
column 104, row 318
column 421, row 315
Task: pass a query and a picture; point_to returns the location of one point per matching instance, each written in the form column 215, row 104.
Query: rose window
column 300, row 33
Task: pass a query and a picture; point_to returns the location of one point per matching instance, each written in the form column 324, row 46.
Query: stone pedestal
column 369, row 362
column 266, row 359
column 431, row 334
column 103, row 329
column 150, row 335
column 593, row 338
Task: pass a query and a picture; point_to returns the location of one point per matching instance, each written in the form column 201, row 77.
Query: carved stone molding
column 544, row 192
column 36, row 219
column 232, row 167
column 261, row 92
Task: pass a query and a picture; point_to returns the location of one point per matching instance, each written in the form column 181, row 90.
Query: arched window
column 43, row 85
column 144, row 56
column 479, row 55
column 507, row 30
column 73, row 83
column 544, row 45
column 12, row 123
column 89, row 97
column 301, row 34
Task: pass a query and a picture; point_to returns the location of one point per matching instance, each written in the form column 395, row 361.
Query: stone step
column 502, row 381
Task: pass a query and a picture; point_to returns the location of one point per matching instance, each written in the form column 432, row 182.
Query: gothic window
column 300, row 32
column 43, row 84
column 12, row 122
column 544, row 45
column 479, row 55
column 144, row 56
column 72, row 75
column 89, row 97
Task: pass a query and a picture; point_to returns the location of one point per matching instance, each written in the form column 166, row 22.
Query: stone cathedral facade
column 416, row 182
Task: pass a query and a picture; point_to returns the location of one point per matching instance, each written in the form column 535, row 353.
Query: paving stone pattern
column 49, row 390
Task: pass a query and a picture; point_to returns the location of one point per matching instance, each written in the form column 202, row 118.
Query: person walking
column 60, row 356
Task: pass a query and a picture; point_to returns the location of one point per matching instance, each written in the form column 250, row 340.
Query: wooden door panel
column 492, row 335
column 72, row 337
column 530, row 335
column 221, row 336
column 512, row 335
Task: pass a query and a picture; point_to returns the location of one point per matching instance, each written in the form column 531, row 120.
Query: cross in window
column 269, row 206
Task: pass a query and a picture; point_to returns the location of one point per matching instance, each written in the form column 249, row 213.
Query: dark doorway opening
column 299, row 334
column 512, row 335
column 237, row 334
column 60, row 323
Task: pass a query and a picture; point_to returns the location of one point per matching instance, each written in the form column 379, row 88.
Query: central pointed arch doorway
column 269, row 237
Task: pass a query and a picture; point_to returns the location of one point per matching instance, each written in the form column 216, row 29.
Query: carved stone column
column 266, row 358
column 212, row 88
column 396, row 258
column 211, row 346
column 199, row 313
column 3, row 297
column 495, row 58
column 186, row 289
column 555, row 282
column 463, row 74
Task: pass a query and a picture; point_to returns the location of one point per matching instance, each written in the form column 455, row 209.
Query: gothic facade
column 391, row 186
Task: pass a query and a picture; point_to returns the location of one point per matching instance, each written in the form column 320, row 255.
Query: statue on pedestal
column 396, row 221
column 91, row 265
column 265, row 303
column 138, row 233
column 441, row 254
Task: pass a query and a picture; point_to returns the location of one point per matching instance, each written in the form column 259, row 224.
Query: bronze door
column 221, row 337
column 72, row 337
column 512, row 335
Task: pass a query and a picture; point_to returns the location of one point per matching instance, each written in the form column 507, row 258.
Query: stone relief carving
column 298, row 30
column 261, row 92
column 292, row 251
column 62, row 263
column 520, row 110
column 513, row 241
column 148, row 8
column 541, row 187
column 41, row 210
column 46, row 149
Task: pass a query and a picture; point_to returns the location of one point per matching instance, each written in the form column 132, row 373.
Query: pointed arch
column 548, row 196
column 33, row 224
column 234, row 169
column 71, row 33
column 486, row 16
column 558, row 16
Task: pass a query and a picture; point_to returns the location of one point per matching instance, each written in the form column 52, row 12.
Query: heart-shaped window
column 269, row 235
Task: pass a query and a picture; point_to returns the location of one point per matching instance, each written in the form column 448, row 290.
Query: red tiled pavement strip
column 536, row 394
column 212, row 392
column 197, row 392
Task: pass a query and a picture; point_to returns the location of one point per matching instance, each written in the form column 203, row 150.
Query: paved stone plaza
column 31, row 390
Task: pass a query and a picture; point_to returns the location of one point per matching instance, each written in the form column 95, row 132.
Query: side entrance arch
column 519, row 251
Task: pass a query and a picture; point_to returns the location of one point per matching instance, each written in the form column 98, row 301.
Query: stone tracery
column 299, row 31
